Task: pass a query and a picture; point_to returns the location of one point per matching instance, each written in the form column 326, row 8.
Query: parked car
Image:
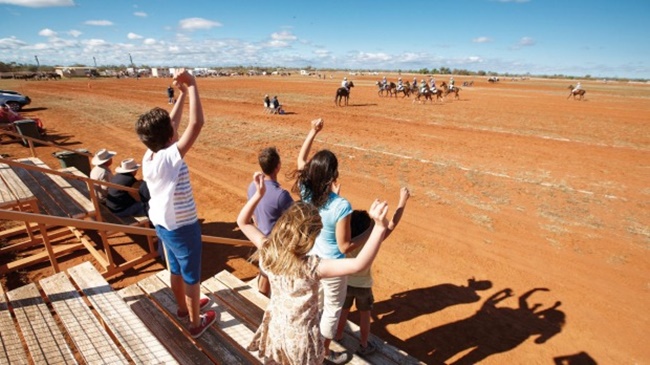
column 15, row 100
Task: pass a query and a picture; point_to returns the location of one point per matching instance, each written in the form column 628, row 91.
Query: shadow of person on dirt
column 216, row 255
column 491, row 330
column 408, row 305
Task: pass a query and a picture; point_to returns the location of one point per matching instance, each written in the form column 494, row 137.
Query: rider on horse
column 346, row 84
column 415, row 82
column 577, row 88
column 400, row 85
column 451, row 83
column 432, row 82
column 384, row 83
column 423, row 87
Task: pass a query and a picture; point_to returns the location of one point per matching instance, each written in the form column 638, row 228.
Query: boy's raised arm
column 177, row 110
column 195, row 124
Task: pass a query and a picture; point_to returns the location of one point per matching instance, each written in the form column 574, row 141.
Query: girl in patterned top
column 289, row 332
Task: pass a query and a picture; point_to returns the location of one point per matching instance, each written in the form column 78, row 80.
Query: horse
column 580, row 93
column 406, row 90
column 447, row 91
column 427, row 94
column 342, row 93
column 389, row 89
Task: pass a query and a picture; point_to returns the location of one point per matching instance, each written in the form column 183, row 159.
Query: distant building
column 76, row 71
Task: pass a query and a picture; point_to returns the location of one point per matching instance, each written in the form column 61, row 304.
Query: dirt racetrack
column 514, row 189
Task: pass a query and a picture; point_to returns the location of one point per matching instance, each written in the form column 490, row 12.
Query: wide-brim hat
column 102, row 156
column 128, row 165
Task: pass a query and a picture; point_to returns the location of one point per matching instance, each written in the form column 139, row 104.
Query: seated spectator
column 102, row 172
column 275, row 105
column 122, row 202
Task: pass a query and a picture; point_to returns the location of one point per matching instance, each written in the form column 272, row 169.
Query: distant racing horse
column 447, row 91
column 580, row 93
column 389, row 89
column 343, row 93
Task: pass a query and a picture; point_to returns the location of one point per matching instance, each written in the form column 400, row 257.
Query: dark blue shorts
column 183, row 248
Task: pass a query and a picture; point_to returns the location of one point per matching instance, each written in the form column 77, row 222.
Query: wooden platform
column 76, row 317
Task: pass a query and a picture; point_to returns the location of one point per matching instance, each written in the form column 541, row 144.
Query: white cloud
column 47, row 33
column 133, row 36
column 283, row 36
column 11, row 43
column 373, row 57
column 95, row 43
column 141, row 14
column 38, row 3
column 526, row 41
column 101, row 23
column 75, row 33
column 275, row 43
column 482, row 40
column 149, row 41
column 198, row 23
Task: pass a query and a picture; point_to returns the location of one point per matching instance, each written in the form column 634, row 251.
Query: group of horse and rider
column 422, row 89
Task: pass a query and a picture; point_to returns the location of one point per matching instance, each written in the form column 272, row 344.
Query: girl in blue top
column 316, row 181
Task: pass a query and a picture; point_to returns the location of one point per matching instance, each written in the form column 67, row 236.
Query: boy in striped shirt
column 172, row 209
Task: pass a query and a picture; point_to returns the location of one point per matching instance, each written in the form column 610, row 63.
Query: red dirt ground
column 513, row 185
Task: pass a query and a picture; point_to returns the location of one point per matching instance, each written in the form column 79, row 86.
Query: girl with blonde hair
column 289, row 332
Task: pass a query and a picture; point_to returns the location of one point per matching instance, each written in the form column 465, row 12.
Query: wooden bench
column 101, row 327
column 247, row 303
column 138, row 324
column 12, row 351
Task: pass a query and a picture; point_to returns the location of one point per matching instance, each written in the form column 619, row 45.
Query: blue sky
column 570, row 37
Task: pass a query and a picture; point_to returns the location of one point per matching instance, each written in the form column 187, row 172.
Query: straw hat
column 102, row 156
column 128, row 165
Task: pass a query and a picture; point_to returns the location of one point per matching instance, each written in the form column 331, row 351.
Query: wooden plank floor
column 12, row 351
column 138, row 324
column 88, row 335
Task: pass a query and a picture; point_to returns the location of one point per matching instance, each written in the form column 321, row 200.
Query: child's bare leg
column 178, row 288
column 326, row 344
column 193, row 300
column 364, row 327
column 342, row 321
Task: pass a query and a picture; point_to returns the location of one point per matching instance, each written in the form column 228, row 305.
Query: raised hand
column 378, row 211
column 317, row 124
column 260, row 187
column 404, row 195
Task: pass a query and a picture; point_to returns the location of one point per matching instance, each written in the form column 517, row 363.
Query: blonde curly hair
column 291, row 239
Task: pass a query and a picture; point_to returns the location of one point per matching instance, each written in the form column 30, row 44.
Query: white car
column 13, row 99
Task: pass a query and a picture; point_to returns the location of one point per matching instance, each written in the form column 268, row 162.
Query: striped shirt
column 172, row 201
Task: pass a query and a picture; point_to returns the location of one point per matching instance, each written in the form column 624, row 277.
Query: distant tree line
column 17, row 67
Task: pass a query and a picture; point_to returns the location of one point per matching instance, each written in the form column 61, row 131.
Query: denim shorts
column 183, row 248
column 361, row 297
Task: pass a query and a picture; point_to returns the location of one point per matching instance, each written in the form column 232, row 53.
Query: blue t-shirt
column 335, row 209
column 274, row 202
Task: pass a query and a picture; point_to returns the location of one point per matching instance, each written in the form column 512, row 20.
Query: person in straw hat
column 121, row 202
column 102, row 171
